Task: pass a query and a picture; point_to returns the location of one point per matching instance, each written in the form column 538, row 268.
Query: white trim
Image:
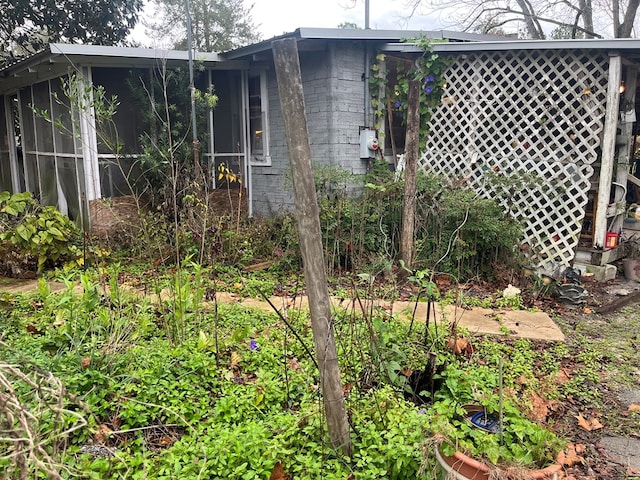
column 263, row 160
column 244, row 96
column 214, row 155
column 39, row 152
column 211, row 167
column 11, row 142
column 608, row 147
column 88, row 135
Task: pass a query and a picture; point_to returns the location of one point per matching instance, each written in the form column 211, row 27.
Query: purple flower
column 422, row 411
column 253, row 345
column 397, row 104
column 428, row 89
column 429, row 79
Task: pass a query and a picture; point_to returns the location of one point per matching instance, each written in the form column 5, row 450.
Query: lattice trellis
column 523, row 127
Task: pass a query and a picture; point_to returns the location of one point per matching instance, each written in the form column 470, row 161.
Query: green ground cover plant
column 182, row 387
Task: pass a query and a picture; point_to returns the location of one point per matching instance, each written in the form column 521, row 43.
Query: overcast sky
column 275, row 17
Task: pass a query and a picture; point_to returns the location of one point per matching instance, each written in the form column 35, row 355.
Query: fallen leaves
column 102, row 434
column 564, row 376
column 85, row 362
column 634, row 407
column 235, row 360
column 278, row 472
column 460, row 346
column 589, row 425
column 571, row 454
column 541, row 406
column 33, row 330
column 294, row 365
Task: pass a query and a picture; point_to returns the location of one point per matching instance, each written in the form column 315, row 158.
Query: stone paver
column 20, row 285
column 623, row 450
column 481, row 321
column 630, row 397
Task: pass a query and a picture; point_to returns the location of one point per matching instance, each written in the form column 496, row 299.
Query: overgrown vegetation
column 33, row 236
column 172, row 385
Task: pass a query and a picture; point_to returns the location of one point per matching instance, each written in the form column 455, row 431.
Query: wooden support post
column 410, row 173
column 287, row 66
column 608, row 150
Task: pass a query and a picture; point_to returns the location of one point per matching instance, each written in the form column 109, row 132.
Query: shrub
column 34, row 236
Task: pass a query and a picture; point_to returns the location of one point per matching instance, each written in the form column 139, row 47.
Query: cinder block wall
column 334, row 101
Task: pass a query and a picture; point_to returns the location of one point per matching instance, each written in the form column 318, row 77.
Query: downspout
column 367, row 71
column 608, row 149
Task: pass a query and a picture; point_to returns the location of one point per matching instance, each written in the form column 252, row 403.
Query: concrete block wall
column 334, row 103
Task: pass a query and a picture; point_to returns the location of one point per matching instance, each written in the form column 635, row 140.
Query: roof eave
column 369, row 35
column 570, row 44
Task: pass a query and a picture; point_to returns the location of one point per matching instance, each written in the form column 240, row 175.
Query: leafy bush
column 34, row 236
column 457, row 231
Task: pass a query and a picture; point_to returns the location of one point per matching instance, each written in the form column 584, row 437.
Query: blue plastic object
column 485, row 421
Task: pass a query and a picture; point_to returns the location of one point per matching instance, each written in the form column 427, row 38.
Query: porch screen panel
column 28, row 139
column 228, row 141
column 126, row 126
column 64, row 128
column 44, row 145
column 5, row 160
column 523, row 127
column 67, row 159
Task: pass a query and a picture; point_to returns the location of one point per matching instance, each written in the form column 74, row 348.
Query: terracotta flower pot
column 461, row 467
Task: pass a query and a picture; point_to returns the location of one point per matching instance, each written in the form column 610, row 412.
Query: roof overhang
column 58, row 58
column 627, row 47
column 307, row 37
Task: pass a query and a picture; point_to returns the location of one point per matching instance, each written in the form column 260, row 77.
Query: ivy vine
column 429, row 68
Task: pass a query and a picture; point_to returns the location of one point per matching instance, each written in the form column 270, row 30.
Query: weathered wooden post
column 407, row 239
column 287, row 64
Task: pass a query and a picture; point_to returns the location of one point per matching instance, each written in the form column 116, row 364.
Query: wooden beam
column 608, row 147
column 633, row 179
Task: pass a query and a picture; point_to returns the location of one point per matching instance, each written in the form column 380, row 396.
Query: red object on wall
column 611, row 240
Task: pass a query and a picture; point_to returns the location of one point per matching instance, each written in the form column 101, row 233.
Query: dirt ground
column 608, row 441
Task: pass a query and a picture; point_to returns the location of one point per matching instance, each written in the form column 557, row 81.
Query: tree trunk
column 410, row 172
column 530, row 20
column 626, row 27
column 287, row 65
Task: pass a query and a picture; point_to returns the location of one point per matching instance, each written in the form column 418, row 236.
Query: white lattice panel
column 535, row 117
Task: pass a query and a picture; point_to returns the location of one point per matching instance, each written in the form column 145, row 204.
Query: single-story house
column 562, row 112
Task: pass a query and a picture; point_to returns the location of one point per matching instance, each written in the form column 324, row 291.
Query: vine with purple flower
column 391, row 74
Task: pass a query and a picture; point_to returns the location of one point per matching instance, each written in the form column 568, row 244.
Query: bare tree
column 537, row 16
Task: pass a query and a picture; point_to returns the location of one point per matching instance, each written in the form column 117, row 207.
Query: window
column 258, row 120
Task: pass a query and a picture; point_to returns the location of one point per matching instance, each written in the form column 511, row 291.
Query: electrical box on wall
column 368, row 143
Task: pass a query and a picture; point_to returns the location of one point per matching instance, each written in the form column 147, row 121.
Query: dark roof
column 367, row 35
column 629, row 47
column 56, row 59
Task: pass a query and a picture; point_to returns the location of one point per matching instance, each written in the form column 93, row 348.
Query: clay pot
column 461, row 467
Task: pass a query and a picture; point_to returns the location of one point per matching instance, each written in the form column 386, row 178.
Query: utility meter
column 368, row 143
